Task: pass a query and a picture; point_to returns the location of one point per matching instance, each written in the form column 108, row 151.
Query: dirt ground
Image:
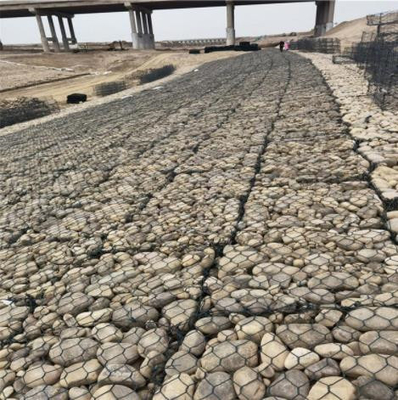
column 350, row 32
column 15, row 74
column 273, row 40
column 102, row 66
column 21, row 68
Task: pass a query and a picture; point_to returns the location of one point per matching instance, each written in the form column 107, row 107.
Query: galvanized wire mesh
column 21, row 109
column 385, row 18
column 378, row 56
column 220, row 242
column 319, row 45
column 157, row 73
column 107, row 88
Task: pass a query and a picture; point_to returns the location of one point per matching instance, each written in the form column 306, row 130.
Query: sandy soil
column 273, row 40
column 26, row 69
column 184, row 63
column 103, row 67
column 84, row 61
column 350, row 32
column 15, row 74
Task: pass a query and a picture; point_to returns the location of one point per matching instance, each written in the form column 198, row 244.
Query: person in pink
column 287, row 45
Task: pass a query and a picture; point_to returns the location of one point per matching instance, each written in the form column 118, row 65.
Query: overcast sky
column 198, row 23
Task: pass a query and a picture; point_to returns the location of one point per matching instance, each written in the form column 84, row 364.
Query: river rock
column 180, row 386
column 134, row 314
column 117, row 353
column 153, row 340
column 291, row 385
column 84, row 373
column 253, row 328
column 248, row 384
column 9, row 314
column 373, row 319
column 300, row 358
column 115, row 392
column 273, row 351
column 345, row 334
column 381, row 342
column 92, row 318
column 7, row 377
column 181, row 362
column 332, row 388
column 72, row 351
column 333, row 281
column 212, row 325
column 106, row 332
column 194, row 342
column 216, row 385
column 230, row 356
column 333, row 350
column 44, row 374
column 323, row 368
column 381, row 367
column 303, row 335
column 134, row 335
column 121, row 374
column 79, row 393
column 44, row 392
column 373, row 389
column 74, row 303
column 179, row 312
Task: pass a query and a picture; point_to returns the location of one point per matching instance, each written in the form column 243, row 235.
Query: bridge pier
column 146, row 30
column 141, row 27
column 150, row 28
column 43, row 37
column 148, row 38
column 324, row 17
column 63, row 34
column 141, row 44
column 54, row 38
column 134, row 33
column 72, row 31
column 230, row 23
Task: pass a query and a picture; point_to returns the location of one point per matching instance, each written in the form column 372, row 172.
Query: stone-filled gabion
column 216, row 239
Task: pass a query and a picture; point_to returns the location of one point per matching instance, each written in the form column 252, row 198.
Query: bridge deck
column 13, row 9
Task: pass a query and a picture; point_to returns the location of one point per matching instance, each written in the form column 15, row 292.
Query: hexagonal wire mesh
column 193, row 263
column 378, row 56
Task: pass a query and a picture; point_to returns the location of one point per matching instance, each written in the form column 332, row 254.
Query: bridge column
column 72, row 31
column 324, row 17
column 230, row 23
column 146, row 30
column 150, row 26
column 141, row 43
column 53, row 34
column 134, row 33
column 44, row 41
column 63, row 34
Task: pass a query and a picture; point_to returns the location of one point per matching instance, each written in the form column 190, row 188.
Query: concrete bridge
column 140, row 12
